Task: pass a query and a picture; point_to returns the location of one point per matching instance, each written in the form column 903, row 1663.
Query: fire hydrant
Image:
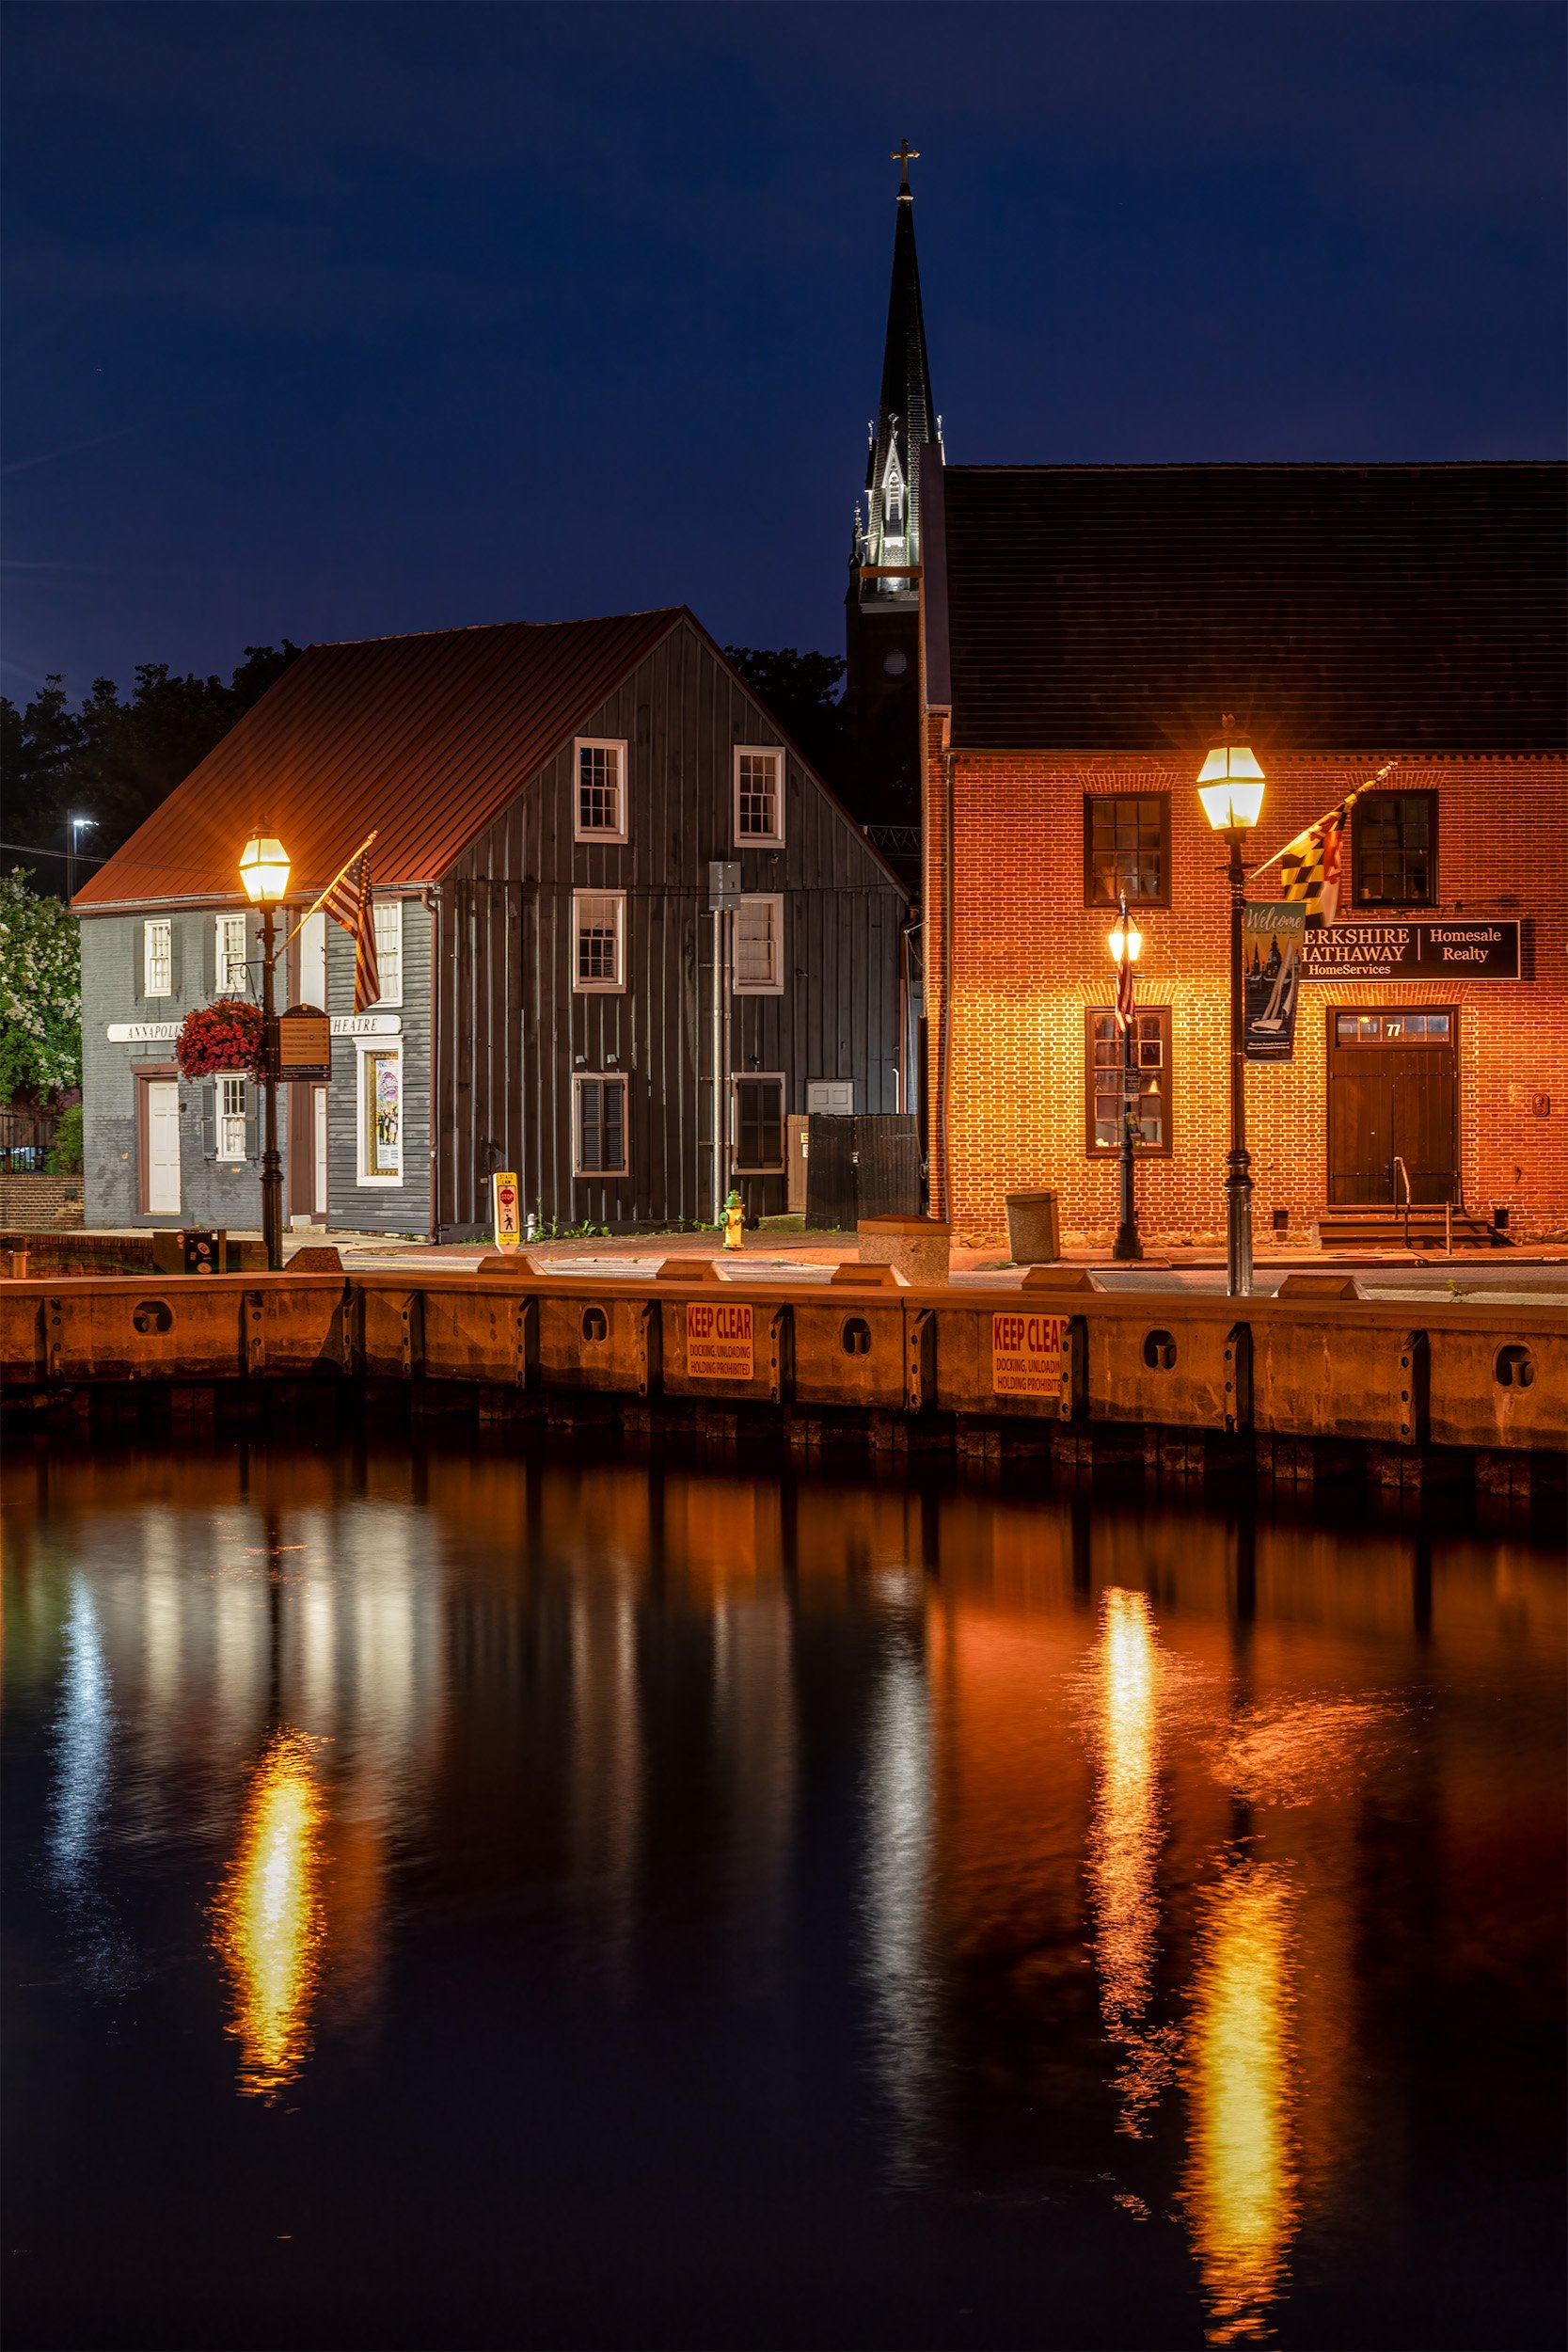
column 734, row 1220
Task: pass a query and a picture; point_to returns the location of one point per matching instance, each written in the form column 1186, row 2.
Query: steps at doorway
column 1384, row 1228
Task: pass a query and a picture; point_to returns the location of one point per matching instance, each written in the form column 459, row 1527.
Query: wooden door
column 1393, row 1096
column 319, row 1138
column 160, row 1107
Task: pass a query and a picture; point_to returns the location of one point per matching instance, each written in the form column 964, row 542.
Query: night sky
column 331, row 320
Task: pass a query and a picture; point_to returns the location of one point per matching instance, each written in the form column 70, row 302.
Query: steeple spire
column 905, row 412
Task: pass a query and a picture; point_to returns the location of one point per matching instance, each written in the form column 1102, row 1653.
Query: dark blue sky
column 337, row 320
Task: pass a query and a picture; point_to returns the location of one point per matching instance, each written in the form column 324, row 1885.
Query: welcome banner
column 1272, row 935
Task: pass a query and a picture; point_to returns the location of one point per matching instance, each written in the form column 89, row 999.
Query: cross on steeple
column 904, row 156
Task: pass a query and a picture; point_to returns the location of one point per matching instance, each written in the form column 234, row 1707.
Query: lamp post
column 1125, row 945
column 78, row 826
column 264, row 871
column 1230, row 786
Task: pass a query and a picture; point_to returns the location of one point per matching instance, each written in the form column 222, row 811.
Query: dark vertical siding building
column 548, row 803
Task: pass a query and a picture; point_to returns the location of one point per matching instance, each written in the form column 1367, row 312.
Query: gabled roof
column 423, row 739
column 1331, row 608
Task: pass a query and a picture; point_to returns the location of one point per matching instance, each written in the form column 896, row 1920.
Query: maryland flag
column 348, row 903
column 1310, row 866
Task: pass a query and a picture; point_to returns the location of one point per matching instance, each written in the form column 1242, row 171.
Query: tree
column 40, row 994
column 803, row 692
column 114, row 760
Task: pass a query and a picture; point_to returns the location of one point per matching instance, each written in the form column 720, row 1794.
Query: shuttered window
column 601, row 1126
column 759, row 1125
column 599, row 926
column 759, row 948
column 158, row 957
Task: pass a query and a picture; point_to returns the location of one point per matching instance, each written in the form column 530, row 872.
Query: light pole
column 1125, row 945
column 1230, row 786
column 264, row 871
column 78, row 825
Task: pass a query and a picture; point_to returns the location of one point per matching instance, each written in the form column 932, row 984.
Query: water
column 458, row 1899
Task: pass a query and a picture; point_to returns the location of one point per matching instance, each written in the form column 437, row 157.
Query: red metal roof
column 422, row 739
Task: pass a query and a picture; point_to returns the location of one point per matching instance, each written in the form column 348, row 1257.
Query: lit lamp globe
column 264, row 870
column 1231, row 784
column 1126, row 942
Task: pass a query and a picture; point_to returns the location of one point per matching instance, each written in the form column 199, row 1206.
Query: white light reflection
column 897, row 1874
column 84, row 1745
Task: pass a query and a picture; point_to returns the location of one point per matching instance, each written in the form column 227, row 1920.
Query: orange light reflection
column 1241, row 2188
column 270, row 1919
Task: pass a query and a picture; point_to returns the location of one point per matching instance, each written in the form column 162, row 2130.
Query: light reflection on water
column 1083, row 1849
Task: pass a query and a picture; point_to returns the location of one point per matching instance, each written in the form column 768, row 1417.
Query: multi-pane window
column 231, row 1119
column 232, row 978
column 1393, row 1029
column 601, row 1126
column 758, row 796
column 601, row 797
column 759, row 948
column 598, row 924
column 158, row 957
column 759, row 1125
column 1394, row 849
column 1127, row 849
column 387, row 914
column 1144, row 1089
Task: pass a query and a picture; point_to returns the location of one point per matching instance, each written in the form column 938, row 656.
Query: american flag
column 1124, row 995
column 348, row 903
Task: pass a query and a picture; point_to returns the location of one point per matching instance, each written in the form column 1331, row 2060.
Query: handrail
column 1405, row 1174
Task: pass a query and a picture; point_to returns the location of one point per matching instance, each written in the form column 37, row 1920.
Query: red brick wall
column 1028, row 957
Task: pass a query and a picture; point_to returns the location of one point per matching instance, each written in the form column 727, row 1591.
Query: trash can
column 1034, row 1230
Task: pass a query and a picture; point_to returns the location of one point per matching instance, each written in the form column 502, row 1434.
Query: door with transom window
column 1393, row 1097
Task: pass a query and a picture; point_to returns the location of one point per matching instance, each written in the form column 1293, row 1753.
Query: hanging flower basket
column 226, row 1034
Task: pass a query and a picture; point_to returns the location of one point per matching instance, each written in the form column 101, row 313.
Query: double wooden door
column 1393, row 1095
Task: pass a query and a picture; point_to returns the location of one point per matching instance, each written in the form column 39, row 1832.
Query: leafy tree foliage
column 40, row 994
column 111, row 759
column 803, row 692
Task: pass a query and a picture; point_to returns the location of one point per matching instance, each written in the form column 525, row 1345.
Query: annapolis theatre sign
column 1412, row 951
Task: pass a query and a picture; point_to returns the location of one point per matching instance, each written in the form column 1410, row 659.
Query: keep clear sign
column 1026, row 1355
column 718, row 1341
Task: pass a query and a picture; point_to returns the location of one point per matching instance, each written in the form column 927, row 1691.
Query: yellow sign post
column 719, row 1341
column 506, row 1204
column 1028, row 1355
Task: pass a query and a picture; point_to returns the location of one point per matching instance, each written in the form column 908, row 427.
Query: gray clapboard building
column 550, row 803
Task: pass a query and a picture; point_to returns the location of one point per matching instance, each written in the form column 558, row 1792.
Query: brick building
column 1083, row 629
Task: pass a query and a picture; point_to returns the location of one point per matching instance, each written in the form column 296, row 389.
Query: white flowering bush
column 40, row 992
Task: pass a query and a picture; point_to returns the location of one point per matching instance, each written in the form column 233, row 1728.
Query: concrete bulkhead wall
column 1349, row 1372
column 228, row 1192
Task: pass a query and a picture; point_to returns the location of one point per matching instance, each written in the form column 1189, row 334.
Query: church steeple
column 882, row 606
column 904, row 416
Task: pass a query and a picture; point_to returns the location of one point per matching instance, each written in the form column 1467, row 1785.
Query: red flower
column 226, row 1034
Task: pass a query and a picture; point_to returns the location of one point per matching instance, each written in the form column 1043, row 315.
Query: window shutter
column 614, row 1123
column 210, row 1117
column 252, row 1101
column 139, row 964
column 175, row 929
column 209, row 958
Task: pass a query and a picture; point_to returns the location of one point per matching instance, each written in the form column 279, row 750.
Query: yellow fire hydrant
column 735, row 1219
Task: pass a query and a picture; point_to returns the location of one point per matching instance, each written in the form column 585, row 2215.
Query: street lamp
column 264, row 871
column 1125, row 945
column 78, row 825
column 1230, row 786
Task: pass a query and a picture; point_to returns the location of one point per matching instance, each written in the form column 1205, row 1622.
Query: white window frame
column 158, row 955
column 367, row 1049
column 600, row 743
column 601, row 1078
column 617, row 987
column 392, row 909
column 230, row 1115
column 775, row 987
column 759, row 840
column 760, row 1077
column 230, row 977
